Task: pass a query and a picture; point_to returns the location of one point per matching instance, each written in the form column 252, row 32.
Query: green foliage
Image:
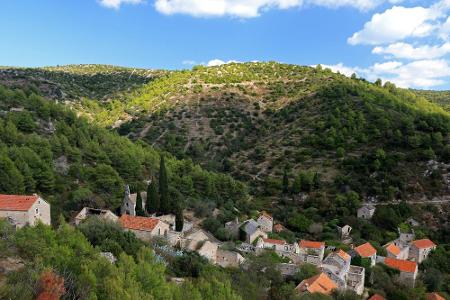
column 152, row 205
column 306, row 271
column 109, row 236
column 299, row 222
column 139, row 207
column 85, row 165
column 164, row 188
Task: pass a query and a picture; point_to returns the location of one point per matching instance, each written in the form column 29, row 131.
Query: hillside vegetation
column 257, row 121
column 441, row 98
column 45, row 148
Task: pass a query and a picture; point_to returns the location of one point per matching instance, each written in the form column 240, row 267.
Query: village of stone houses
column 251, row 237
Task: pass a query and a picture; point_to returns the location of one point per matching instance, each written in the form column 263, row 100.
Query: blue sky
column 402, row 41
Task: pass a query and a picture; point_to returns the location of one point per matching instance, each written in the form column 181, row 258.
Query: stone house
column 208, row 250
column 265, row 222
column 394, row 251
column 103, row 214
column 336, row 265
column 420, row 249
column 408, row 270
column 272, row 244
column 229, row 259
column 355, row 279
column 22, row 210
column 287, row 269
column 233, row 227
column 366, row 212
column 170, row 219
column 311, row 252
column 317, row 284
column 195, row 238
column 252, row 230
column 129, row 202
column 344, row 232
column 367, row 251
column 144, row 228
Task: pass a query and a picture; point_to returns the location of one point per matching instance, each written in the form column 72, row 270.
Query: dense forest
column 45, row 148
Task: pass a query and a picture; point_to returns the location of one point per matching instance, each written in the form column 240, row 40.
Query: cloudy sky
column 404, row 41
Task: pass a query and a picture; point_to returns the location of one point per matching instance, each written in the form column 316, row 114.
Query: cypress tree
column 179, row 220
column 163, row 187
column 139, row 210
column 153, row 205
column 285, row 181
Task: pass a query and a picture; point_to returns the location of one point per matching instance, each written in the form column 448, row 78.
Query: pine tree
column 152, row 206
column 163, row 188
column 179, row 220
column 139, row 210
column 285, row 181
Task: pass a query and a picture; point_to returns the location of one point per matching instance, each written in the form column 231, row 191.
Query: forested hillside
column 45, row 148
column 441, row 98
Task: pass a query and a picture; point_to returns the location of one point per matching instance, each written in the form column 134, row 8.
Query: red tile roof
column 401, row 265
column 138, row 223
column 423, row 244
column 391, row 248
column 311, row 244
column 376, row 297
column 273, row 241
column 17, row 202
column 434, row 296
column 366, row 250
column 318, row 284
column 344, row 255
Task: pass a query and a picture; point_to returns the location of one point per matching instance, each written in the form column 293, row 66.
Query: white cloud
column 189, row 62
column 408, row 51
column 252, row 8
column 397, row 23
column 341, row 68
column 117, row 3
column 218, row 8
column 219, row 62
column 416, row 74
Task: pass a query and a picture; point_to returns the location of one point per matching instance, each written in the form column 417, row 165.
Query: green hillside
column 257, row 120
column 306, row 144
column 45, row 148
column 441, row 98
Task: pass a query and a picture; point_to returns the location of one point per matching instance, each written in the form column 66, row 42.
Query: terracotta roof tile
column 138, row 223
column 273, row 241
column 17, row 202
column 366, row 250
column 391, row 248
column 311, row 244
column 434, row 296
column 401, row 265
column 318, row 284
column 344, row 255
column 424, row 243
column 376, row 297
